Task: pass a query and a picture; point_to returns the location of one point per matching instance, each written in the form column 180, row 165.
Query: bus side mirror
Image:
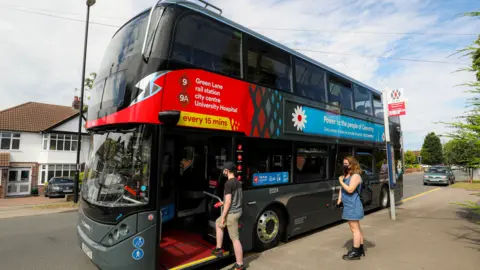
column 169, row 117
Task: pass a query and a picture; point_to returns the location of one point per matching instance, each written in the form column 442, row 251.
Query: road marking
column 419, row 195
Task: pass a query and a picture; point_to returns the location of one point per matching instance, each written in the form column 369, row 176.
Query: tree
column 460, row 152
column 410, row 158
column 467, row 129
column 88, row 86
column 432, row 150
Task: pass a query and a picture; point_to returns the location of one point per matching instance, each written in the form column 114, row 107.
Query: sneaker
column 217, row 252
column 238, row 267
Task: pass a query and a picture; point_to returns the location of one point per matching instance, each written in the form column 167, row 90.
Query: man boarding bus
column 232, row 211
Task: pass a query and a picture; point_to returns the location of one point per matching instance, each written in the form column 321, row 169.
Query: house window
column 60, row 142
column 45, row 142
column 48, row 171
column 9, row 141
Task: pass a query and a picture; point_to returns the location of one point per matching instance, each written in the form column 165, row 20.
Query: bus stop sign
column 396, row 103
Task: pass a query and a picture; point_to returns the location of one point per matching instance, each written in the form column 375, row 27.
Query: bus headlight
column 118, row 234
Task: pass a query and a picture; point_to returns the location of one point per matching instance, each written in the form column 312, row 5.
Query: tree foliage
column 88, row 86
column 432, row 152
column 461, row 152
column 410, row 158
column 465, row 147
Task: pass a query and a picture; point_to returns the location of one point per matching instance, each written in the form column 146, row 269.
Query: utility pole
column 82, row 91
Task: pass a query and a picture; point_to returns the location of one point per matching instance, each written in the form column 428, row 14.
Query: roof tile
column 34, row 116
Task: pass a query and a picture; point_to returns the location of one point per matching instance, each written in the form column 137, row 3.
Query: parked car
column 59, row 187
column 439, row 175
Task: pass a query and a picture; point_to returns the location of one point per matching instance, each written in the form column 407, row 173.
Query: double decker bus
column 180, row 91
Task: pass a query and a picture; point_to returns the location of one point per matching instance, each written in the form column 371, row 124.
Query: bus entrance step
column 181, row 250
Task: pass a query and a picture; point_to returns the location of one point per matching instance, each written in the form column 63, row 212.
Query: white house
column 37, row 142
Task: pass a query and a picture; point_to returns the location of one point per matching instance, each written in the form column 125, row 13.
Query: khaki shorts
column 231, row 222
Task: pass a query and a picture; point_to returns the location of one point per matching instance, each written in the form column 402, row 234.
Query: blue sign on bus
column 318, row 122
column 137, row 254
column 168, row 212
column 271, row 178
column 138, row 242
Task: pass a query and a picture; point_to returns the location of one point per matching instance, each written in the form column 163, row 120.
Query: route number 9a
column 273, row 190
column 184, row 98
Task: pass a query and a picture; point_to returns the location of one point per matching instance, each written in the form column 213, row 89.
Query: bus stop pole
column 391, row 174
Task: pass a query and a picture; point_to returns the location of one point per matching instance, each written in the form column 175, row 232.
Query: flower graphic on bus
column 299, row 118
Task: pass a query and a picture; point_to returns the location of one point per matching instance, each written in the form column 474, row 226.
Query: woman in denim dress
column 349, row 195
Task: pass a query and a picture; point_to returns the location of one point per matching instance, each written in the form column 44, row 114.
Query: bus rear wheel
column 384, row 198
column 269, row 229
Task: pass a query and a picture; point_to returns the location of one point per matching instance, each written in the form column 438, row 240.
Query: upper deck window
column 363, row 100
column 268, row 65
column 209, row 45
column 378, row 106
column 340, row 93
column 310, row 81
column 127, row 42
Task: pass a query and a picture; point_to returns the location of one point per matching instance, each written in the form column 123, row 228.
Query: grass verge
column 57, row 205
column 475, row 186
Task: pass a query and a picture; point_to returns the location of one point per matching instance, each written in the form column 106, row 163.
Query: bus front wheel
column 269, row 229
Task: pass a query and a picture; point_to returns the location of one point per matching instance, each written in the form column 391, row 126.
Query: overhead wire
column 298, row 49
column 382, row 57
column 60, row 17
column 62, row 12
column 362, row 32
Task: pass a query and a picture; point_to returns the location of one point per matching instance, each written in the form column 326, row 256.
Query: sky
column 382, row 43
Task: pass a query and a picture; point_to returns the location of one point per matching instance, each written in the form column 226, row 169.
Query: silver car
column 439, row 175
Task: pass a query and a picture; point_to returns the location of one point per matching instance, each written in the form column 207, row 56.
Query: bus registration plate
column 87, row 251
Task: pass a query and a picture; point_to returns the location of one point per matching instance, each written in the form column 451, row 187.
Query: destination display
column 208, row 101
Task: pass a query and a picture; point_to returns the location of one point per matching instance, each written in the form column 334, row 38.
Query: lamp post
column 79, row 136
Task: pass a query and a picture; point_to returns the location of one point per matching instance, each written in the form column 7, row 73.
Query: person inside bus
column 353, row 212
column 232, row 211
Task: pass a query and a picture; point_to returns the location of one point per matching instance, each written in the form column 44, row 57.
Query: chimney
column 76, row 103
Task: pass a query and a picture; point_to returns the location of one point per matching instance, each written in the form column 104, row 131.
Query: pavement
column 430, row 233
column 29, row 201
column 31, row 206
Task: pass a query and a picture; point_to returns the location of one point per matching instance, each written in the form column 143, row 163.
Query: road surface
column 49, row 242
column 413, row 183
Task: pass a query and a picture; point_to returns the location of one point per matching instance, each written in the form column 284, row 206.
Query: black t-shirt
column 234, row 187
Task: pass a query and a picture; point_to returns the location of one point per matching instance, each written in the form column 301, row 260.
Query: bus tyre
column 384, row 198
column 269, row 229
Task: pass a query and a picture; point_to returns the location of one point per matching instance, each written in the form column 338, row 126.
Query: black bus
column 180, row 91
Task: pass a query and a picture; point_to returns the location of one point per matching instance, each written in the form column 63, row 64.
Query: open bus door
column 195, row 185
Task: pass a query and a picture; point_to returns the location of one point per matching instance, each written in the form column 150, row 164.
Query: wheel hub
column 267, row 226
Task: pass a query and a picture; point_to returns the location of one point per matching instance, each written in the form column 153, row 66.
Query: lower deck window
column 311, row 164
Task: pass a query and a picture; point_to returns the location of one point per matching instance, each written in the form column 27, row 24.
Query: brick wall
column 3, row 187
